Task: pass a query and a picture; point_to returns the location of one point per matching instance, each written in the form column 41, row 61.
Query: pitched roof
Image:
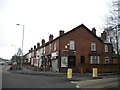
column 82, row 25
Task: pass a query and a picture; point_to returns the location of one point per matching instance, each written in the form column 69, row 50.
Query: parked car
column 14, row 63
column 2, row 63
column 9, row 63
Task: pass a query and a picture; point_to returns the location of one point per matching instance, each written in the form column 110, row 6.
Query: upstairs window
column 44, row 50
column 50, row 48
column 106, row 48
column 54, row 46
column 72, row 45
column 93, row 46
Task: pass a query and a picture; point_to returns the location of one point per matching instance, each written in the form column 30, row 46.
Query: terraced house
column 79, row 49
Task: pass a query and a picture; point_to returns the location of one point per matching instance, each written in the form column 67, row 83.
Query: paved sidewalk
column 105, row 83
column 75, row 76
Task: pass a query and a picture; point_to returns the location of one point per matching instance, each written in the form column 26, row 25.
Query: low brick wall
column 100, row 67
column 65, row 69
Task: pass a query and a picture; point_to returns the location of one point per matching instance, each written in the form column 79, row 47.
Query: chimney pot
column 29, row 51
column 103, row 35
column 61, row 32
column 94, row 30
column 50, row 37
column 34, row 51
column 38, row 45
column 43, row 42
column 34, row 47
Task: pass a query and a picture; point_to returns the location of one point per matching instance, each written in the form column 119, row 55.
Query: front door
column 82, row 60
column 71, row 61
column 55, row 65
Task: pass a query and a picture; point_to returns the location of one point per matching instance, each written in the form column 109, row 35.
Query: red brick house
column 79, row 49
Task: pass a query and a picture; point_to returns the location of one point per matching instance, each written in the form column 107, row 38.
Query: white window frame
column 71, row 44
column 44, row 50
column 106, row 59
column 38, row 53
column 54, row 46
column 50, row 48
column 106, row 48
column 93, row 46
column 94, row 60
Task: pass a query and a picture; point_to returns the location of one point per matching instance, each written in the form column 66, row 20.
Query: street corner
column 98, row 83
column 6, row 68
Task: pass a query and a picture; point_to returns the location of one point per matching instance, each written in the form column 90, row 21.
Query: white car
column 14, row 63
column 2, row 63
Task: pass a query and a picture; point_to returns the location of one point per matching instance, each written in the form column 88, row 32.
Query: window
column 106, row 60
column 72, row 45
column 94, row 59
column 44, row 50
column 54, row 46
column 71, row 61
column 93, row 46
column 106, row 48
column 50, row 48
column 64, row 61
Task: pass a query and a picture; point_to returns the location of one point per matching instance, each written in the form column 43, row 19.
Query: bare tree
column 113, row 24
column 19, row 52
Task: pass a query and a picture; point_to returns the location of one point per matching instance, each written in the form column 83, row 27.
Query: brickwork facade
column 79, row 49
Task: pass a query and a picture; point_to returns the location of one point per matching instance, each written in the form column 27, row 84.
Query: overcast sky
column 44, row 17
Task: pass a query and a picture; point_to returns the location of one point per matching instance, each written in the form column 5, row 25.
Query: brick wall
column 100, row 67
column 83, row 40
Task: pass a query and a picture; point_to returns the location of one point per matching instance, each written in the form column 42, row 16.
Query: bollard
column 69, row 73
column 95, row 72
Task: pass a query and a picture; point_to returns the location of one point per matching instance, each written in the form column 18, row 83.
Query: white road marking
column 72, row 81
column 75, row 83
column 77, row 87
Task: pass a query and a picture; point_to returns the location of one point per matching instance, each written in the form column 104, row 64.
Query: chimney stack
column 38, row 45
column 34, row 47
column 31, row 49
column 43, row 42
column 50, row 37
column 94, row 30
column 103, row 35
column 61, row 32
column 34, row 51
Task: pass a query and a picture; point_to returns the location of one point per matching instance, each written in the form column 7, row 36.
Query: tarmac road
column 15, row 80
column 0, row 77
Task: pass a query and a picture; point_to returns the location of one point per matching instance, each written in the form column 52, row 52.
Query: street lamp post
column 22, row 43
